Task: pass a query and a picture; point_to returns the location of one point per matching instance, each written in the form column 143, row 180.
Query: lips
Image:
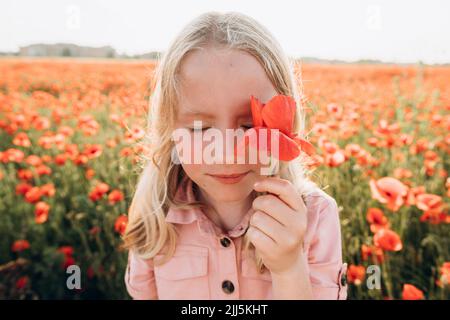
column 229, row 178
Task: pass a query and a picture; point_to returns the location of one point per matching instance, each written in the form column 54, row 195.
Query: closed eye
column 198, row 129
column 247, row 126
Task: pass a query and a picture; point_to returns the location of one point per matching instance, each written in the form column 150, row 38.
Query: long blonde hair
column 147, row 232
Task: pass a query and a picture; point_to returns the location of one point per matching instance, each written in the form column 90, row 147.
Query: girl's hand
column 278, row 225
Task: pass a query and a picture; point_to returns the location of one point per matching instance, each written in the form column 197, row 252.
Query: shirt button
column 228, row 286
column 225, row 242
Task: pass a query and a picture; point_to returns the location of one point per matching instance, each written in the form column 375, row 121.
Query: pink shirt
column 206, row 256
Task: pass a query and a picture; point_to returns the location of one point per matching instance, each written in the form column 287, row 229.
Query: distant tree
column 66, row 52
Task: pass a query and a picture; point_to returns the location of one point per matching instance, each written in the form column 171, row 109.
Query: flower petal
column 289, row 149
column 279, row 113
column 254, row 139
column 305, row 146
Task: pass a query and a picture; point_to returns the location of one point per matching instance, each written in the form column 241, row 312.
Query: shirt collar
column 185, row 192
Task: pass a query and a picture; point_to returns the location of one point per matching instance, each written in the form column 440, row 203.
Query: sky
column 394, row 30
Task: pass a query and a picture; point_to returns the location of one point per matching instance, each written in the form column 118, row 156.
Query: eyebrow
column 196, row 113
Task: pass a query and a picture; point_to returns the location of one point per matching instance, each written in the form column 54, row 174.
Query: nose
column 229, row 136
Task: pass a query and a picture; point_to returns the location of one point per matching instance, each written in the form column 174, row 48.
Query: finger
column 260, row 240
column 267, row 225
column 283, row 189
column 273, row 206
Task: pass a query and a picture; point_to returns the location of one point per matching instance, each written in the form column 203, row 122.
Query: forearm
column 293, row 284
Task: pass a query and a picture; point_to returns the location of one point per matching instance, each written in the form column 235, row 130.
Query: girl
column 224, row 231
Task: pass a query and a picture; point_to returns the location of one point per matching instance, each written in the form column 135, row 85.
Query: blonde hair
column 147, row 232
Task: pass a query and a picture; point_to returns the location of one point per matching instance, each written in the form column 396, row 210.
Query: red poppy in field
column 41, row 212
column 92, row 151
column 413, row 192
column 90, row 272
column 433, row 208
column 66, row 250
column 352, row 150
column 429, row 202
column 115, row 196
column 41, row 123
column 20, row 245
column 48, row 189
column 372, row 252
column 388, row 240
column 12, row 155
column 335, row 159
column 99, row 191
column 134, row 134
column 444, row 271
column 410, row 292
column 276, row 117
column 384, row 128
column 42, row 169
column 33, row 160
column 22, row 282
column 401, row 173
column 89, row 174
column 25, row 174
column 69, row 260
column 22, row 188
column 389, row 191
column 60, row 159
column 377, row 219
column 94, row 230
column 356, row 274
column 88, row 125
column 121, row 224
column 33, row 195
column 80, row 159
column 22, row 140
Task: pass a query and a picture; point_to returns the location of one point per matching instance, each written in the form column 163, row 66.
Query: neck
column 226, row 214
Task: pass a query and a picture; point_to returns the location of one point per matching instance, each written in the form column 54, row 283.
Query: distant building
column 66, row 50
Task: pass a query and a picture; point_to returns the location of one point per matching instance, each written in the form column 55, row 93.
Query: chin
column 229, row 192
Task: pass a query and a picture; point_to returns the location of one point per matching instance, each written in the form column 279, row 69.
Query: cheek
column 194, row 171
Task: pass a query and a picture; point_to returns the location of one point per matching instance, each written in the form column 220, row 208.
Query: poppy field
column 69, row 161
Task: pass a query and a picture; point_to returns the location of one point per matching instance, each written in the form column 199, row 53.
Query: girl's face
column 215, row 88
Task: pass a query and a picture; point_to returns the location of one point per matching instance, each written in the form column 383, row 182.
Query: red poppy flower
column 33, row 195
column 20, row 245
column 410, row 292
column 41, row 212
column 387, row 240
column 121, row 224
column 444, row 274
column 66, row 250
column 69, row 260
column 115, row 196
column 377, row 219
column 98, row 191
column 22, row 282
column 389, row 191
column 429, row 202
column 92, row 151
column 373, row 252
column 276, row 117
column 356, row 274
